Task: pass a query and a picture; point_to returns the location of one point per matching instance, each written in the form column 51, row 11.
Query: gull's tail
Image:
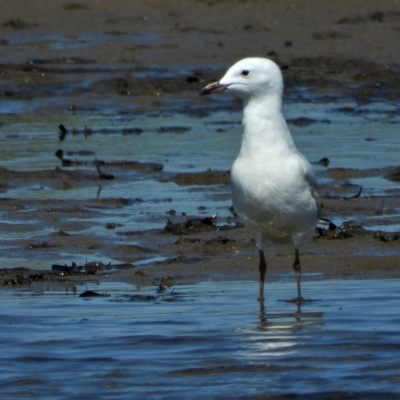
column 325, row 221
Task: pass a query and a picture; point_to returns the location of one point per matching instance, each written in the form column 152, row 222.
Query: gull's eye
column 245, row 72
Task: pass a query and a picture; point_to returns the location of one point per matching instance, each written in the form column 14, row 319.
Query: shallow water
column 184, row 132
column 182, row 141
column 209, row 340
column 364, row 140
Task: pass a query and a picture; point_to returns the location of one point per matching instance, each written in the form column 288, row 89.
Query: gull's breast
column 274, row 203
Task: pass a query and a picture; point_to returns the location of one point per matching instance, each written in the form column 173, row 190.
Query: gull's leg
column 263, row 268
column 297, row 270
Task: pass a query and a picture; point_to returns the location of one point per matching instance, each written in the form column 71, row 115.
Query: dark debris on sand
column 194, row 225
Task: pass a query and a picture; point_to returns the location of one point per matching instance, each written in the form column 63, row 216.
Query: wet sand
column 81, row 54
column 193, row 249
column 89, row 50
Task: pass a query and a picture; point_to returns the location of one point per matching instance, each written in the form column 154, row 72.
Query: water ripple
column 215, row 343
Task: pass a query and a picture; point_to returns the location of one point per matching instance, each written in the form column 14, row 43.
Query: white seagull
column 273, row 185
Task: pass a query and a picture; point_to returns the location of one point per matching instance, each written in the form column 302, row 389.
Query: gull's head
column 250, row 77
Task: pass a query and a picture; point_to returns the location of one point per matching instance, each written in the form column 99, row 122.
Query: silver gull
column 273, row 185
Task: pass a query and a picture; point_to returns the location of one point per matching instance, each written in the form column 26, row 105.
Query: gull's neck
column 265, row 129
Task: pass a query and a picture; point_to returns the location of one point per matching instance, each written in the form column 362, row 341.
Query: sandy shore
column 347, row 47
column 344, row 48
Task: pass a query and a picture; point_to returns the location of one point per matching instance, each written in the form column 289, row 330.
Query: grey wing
column 312, row 184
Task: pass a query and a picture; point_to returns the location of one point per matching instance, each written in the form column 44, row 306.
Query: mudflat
column 60, row 55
